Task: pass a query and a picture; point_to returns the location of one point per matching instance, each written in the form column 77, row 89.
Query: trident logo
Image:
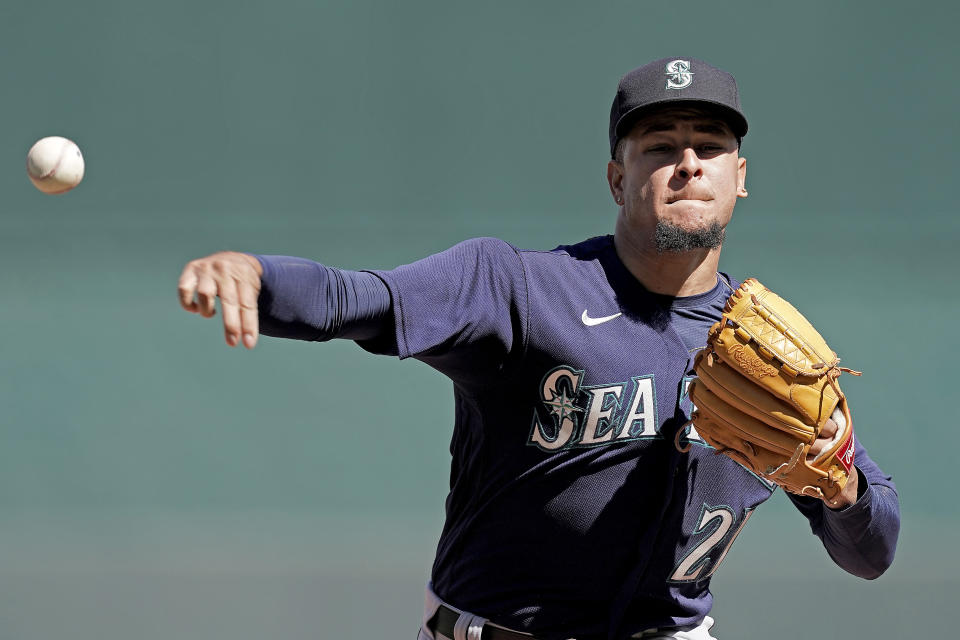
column 679, row 75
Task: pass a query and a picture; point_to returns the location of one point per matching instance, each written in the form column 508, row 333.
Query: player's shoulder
column 485, row 245
column 587, row 250
column 496, row 258
column 581, row 260
column 474, row 252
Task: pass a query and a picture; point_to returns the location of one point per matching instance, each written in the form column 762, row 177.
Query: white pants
column 699, row 632
column 469, row 626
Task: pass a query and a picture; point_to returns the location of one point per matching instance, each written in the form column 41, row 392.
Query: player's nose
column 689, row 165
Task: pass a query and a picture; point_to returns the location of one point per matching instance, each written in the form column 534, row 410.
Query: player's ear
column 742, row 178
column 615, row 180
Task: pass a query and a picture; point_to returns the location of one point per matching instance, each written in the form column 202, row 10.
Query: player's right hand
column 235, row 279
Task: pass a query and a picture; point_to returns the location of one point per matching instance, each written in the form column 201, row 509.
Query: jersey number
column 715, row 523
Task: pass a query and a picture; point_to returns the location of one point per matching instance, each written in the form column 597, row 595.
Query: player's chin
column 686, row 235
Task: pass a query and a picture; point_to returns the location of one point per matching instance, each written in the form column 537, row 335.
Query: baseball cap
column 669, row 80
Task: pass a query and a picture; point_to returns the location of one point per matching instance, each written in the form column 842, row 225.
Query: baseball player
column 571, row 512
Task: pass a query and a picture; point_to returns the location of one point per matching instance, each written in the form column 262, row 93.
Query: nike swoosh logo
column 592, row 322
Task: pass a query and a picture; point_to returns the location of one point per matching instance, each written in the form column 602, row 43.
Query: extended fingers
column 249, row 317
column 238, row 301
column 231, row 311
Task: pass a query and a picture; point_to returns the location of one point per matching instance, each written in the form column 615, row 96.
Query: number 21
column 717, row 521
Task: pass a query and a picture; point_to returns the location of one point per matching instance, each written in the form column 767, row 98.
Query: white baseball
column 55, row 165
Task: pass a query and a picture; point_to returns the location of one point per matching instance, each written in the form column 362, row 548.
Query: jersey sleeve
column 462, row 311
column 862, row 538
column 304, row 300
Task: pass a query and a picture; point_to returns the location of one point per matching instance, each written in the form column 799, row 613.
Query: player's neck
column 678, row 274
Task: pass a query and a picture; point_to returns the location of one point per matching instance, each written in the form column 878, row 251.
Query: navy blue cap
column 674, row 80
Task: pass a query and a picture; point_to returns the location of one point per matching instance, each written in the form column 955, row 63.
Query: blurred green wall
column 154, row 483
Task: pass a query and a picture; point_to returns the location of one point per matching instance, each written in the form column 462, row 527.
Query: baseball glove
column 766, row 386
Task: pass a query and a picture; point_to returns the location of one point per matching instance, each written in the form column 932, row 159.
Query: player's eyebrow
column 700, row 127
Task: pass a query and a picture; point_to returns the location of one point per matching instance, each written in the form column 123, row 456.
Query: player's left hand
column 849, row 494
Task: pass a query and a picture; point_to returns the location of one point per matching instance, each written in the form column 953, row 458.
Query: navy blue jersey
column 571, row 513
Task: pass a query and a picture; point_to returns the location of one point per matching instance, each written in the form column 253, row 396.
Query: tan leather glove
column 766, row 385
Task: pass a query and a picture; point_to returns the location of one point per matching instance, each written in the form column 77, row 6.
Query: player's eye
column 659, row 148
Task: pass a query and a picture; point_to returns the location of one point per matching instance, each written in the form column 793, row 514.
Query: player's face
column 681, row 168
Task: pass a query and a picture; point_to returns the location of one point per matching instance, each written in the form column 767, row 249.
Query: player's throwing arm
column 235, row 279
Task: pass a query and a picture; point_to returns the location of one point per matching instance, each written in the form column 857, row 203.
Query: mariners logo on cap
column 679, row 75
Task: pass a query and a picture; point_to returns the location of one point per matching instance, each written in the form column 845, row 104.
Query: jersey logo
column 592, row 322
column 679, row 75
column 575, row 415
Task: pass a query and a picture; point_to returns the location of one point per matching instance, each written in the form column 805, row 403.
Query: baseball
column 55, row 165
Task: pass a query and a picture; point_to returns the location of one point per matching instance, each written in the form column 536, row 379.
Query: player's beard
column 674, row 239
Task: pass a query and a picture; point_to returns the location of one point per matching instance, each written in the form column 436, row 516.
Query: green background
column 156, row 484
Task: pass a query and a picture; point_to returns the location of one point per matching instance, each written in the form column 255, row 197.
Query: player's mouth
column 688, row 196
column 687, row 200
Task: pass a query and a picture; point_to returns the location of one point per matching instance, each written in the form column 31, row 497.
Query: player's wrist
column 254, row 262
column 851, row 493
